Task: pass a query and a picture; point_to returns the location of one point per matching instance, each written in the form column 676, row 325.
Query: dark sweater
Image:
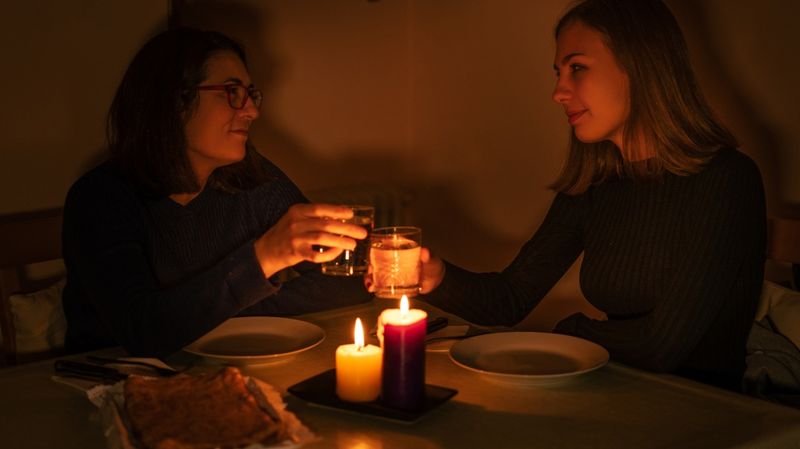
column 153, row 276
column 676, row 264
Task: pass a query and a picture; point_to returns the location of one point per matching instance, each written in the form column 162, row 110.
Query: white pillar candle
column 358, row 369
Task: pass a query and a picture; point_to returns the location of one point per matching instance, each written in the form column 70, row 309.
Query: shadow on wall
column 757, row 136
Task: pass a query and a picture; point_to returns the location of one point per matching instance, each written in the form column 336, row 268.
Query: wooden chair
column 25, row 238
column 783, row 245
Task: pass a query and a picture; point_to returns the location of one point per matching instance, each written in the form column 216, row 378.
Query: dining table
column 615, row 406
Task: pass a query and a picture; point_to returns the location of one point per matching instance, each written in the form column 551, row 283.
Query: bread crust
column 198, row 412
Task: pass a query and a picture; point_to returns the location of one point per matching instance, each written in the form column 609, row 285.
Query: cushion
column 783, row 307
column 39, row 319
column 773, row 366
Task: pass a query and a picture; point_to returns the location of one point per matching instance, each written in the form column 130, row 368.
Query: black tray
column 321, row 390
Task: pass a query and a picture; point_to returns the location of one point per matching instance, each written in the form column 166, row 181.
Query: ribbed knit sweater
column 676, row 264
column 153, row 276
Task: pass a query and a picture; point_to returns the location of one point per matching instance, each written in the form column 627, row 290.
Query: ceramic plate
column 250, row 340
column 528, row 357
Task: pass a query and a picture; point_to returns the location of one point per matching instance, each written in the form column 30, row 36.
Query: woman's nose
column 249, row 110
column 562, row 92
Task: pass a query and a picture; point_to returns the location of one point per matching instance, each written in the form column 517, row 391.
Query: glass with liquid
column 355, row 262
column 394, row 257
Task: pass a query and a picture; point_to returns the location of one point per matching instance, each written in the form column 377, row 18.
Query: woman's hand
column 294, row 237
column 432, row 273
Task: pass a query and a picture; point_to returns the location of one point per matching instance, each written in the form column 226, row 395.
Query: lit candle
column 403, row 384
column 358, row 369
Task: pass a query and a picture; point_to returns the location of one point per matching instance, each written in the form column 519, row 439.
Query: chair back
column 25, row 238
column 783, row 244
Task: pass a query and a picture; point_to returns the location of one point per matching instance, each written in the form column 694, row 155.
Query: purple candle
column 403, row 376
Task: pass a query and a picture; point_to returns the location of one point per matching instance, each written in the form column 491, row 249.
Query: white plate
column 251, row 340
column 528, row 357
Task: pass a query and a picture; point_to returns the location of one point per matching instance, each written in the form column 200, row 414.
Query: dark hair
column 145, row 127
column 667, row 110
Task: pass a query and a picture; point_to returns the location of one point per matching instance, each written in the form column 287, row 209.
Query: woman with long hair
column 669, row 215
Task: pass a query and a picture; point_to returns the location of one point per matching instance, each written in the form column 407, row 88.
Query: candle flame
column 404, row 306
column 358, row 334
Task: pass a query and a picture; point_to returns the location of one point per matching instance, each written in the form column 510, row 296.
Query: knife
column 88, row 371
column 160, row 370
column 434, row 324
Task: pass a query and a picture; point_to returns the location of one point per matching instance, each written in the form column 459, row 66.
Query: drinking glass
column 355, row 262
column 394, row 257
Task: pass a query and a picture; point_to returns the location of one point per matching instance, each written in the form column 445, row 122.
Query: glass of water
column 355, row 262
column 394, row 257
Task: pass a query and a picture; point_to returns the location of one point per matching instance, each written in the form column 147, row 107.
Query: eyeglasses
column 237, row 94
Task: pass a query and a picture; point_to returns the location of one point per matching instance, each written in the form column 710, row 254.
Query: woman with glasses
column 186, row 225
column 668, row 214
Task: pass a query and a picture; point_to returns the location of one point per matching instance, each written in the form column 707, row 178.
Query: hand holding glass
column 353, row 262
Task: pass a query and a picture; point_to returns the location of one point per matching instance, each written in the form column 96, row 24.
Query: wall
column 61, row 64
column 743, row 53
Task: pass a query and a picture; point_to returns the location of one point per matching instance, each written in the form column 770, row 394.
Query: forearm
column 148, row 319
column 481, row 298
column 640, row 342
column 311, row 291
column 506, row 298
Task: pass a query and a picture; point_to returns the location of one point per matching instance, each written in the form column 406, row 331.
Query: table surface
column 613, row 407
